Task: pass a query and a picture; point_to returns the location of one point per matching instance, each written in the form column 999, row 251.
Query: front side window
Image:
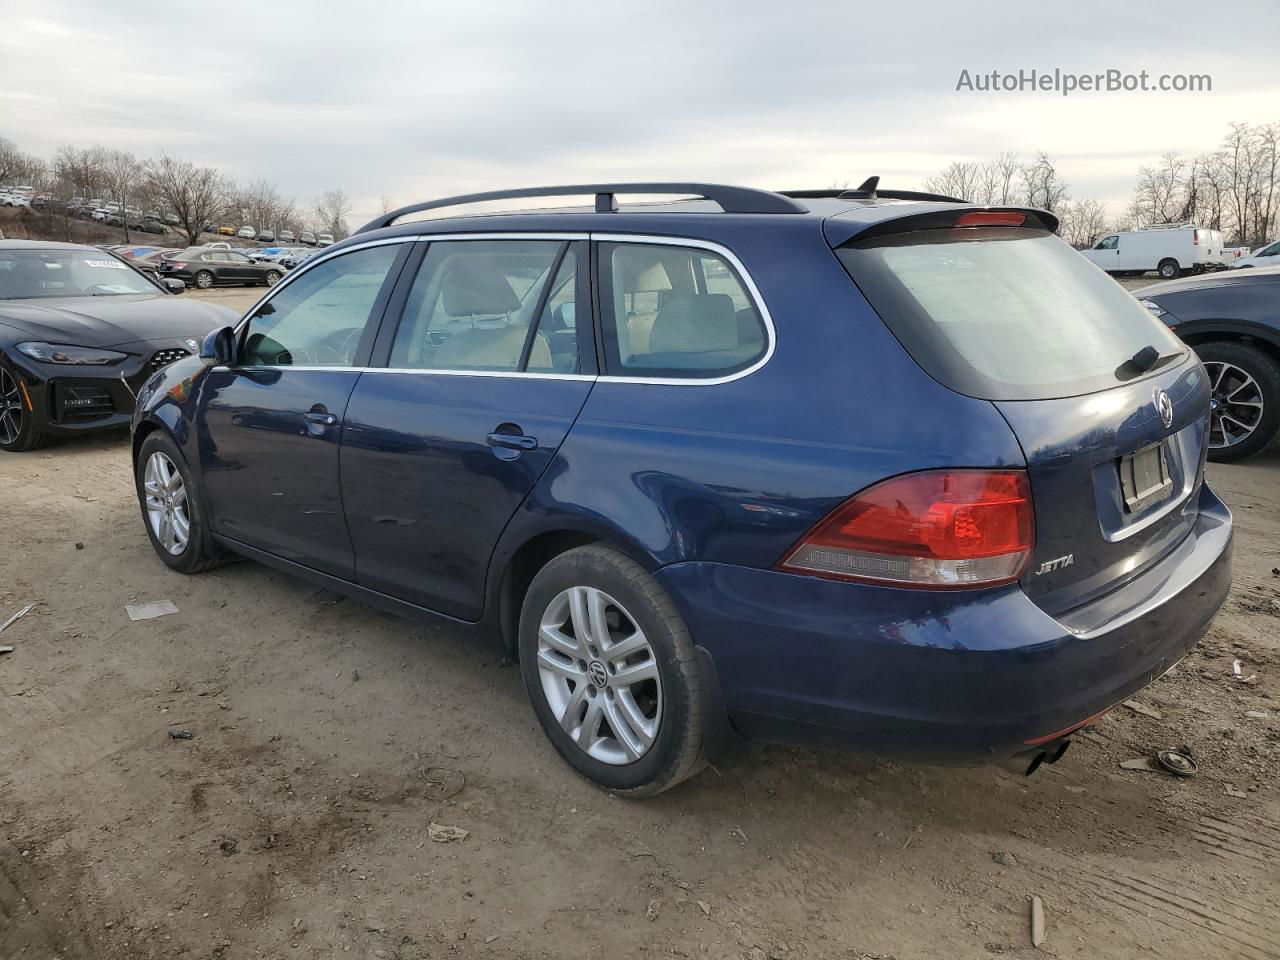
column 318, row 319
column 676, row 312
column 1110, row 243
column 475, row 305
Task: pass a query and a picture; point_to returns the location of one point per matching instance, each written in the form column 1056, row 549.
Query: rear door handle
column 513, row 441
column 326, row 419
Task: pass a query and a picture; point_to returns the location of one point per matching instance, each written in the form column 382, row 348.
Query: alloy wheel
column 10, row 408
column 599, row 675
column 168, row 509
column 1235, row 406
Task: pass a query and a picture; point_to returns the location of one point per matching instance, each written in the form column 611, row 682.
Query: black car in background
column 204, row 267
column 80, row 332
column 1233, row 322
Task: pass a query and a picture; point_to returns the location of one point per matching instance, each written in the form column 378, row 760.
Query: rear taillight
column 934, row 529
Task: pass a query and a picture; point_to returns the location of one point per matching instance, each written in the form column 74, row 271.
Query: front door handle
column 325, row 419
column 513, row 441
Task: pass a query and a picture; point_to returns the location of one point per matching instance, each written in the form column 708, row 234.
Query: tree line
column 1234, row 188
column 196, row 195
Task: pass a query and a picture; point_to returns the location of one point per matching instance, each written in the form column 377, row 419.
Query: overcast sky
column 417, row 100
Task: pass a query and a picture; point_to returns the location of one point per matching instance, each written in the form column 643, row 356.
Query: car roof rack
column 869, row 190
column 730, row 199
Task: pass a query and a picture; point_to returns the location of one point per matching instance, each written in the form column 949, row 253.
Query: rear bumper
column 945, row 677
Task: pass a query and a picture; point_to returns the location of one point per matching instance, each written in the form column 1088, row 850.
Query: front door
column 481, row 386
column 271, row 425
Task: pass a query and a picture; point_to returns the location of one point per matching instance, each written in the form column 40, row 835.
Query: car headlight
column 1155, row 308
column 63, row 354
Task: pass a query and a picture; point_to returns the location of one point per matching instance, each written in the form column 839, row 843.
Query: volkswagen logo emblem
column 1165, row 407
column 599, row 675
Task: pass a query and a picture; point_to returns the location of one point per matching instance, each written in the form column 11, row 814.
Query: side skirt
column 372, row 598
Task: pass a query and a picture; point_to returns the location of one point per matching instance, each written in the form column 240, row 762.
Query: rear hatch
column 1108, row 405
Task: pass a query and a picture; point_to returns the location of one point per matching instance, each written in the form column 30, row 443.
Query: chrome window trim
column 322, row 258
column 672, row 241
column 752, row 290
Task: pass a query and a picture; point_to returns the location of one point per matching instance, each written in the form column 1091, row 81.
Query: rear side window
column 676, row 312
column 1005, row 313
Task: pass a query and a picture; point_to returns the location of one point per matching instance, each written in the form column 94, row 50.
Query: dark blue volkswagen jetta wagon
column 870, row 468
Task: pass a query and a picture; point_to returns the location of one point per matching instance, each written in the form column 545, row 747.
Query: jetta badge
column 1165, row 406
column 1061, row 563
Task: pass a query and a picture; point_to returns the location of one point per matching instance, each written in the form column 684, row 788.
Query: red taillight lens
column 937, row 528
column 991, row 218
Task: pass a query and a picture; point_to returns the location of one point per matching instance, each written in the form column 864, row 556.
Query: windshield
column 1006, row 313
column 32, row 274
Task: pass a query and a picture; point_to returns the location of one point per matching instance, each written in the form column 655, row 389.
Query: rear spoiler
column 840, row 231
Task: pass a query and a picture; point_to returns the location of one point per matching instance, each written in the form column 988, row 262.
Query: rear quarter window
column 1005, row 313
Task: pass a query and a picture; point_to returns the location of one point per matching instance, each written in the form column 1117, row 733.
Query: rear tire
column 18, row 433
column 1240, row 377
column 581, row 688
column 204, row 279
column 1169, row 269
column 197, row 550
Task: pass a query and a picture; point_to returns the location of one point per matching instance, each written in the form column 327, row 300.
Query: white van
column 1169, row 250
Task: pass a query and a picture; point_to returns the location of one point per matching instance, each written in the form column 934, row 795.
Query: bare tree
column 195, row 194
column 124, row 174
column 16, row 165
column 1083, row 223
column 84, row 168
column 1041, row 185
column 332, row 210
column 960, row 179
column 386, row 204
column 260, row 204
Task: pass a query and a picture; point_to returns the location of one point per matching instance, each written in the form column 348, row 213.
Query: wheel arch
column 1227, row 332
column 520, row 557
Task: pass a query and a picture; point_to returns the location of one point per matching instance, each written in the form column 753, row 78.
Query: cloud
column 413, row 100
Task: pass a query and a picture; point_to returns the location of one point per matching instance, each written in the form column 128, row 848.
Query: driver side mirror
column 219, row 348
column 174, row 285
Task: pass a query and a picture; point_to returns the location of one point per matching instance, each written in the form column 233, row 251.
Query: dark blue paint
column 270, row 475
column 406, row 503
column 426, row 495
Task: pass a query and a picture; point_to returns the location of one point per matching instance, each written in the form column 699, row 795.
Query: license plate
column 1144, row 477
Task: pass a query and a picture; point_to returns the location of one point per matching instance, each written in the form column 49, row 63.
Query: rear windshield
column 1006, row 313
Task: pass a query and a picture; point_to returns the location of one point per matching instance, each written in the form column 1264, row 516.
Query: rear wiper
column 1144, row 361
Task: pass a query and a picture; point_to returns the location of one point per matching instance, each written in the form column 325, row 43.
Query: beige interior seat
column 491, row 350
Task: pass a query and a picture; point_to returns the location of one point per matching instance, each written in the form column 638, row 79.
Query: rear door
column 469, row 399
column 1113, row 432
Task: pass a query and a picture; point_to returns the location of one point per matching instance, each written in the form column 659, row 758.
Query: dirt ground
column 328, row 738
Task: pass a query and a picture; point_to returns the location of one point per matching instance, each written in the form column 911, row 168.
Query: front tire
column 1245, row 402
column 170, row 505
column 272, row 278
column 204, row 279
column 610, row 668
column 18, row 432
